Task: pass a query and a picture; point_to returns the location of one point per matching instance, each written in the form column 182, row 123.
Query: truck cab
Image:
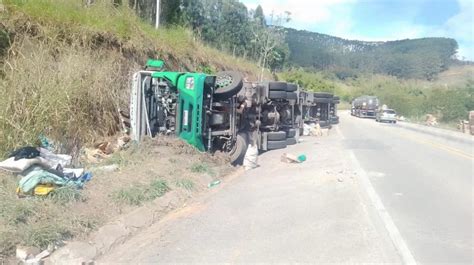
column 199, row 108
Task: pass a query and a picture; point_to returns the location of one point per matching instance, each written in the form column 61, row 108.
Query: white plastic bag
column 53, row 160
column 251, row 157
column 20, row 165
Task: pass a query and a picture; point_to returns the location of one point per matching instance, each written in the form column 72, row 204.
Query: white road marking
column 392, row 229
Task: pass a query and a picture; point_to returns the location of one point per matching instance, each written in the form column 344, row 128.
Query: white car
column 386, row 115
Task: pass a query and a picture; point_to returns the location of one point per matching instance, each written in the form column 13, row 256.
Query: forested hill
column 417, row 58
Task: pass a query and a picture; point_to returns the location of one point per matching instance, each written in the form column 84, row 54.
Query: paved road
column 424, row 182
column 321, row 211
column 314, row 212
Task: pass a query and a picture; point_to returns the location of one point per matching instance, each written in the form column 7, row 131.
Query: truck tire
column 291, row 141
column 291, row 87
column 322, row 95
column 277, row 86
column 272, row 145
column 277, row 94
column 291, row 95
column 291, row 133
column 276, row 136
column 239, row 149
column 228, row 84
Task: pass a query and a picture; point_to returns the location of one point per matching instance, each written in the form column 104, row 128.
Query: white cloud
column 335, row 17
column 302, row 11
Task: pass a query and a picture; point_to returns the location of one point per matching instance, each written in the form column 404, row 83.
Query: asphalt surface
column 313, row 212
column 324, row 211
column 424, row 182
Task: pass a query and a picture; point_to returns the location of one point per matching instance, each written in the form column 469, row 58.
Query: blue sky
column 381, row 20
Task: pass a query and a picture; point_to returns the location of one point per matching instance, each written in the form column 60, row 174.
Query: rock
column 74, row 253
column 340, row 179
column 23, row 252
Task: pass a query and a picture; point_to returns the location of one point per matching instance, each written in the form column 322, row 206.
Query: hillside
column 418, row 58
column 65, row 68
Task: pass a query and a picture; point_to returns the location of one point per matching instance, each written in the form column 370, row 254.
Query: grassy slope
column 68, row 68
column 65, row 74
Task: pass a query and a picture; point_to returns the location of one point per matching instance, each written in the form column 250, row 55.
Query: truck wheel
column 277, row 86
column 239, row 149
column 291, row 95
column 272, row 145
column 277, row 95
column 291, row 87
column 291, row 133
column 291, row 141
column 228, row 83
column 276, row 136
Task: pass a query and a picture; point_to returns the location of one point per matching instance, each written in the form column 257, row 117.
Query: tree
column 269, row 38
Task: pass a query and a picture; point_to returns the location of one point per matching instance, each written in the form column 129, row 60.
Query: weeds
column 187, row 184
column 137, row 193
column 202, row 168
column 44, row 234
column 64, row 195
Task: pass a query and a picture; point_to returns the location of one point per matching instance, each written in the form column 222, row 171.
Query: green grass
column 202, row 168
column 68, row 71
column 65, row 195
column 138, row 193
column 37, row 221
column 185, row 183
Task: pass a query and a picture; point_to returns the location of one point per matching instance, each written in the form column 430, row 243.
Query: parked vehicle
column 388, row 115
column 365, row 106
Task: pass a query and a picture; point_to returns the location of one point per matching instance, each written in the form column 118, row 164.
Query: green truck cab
column 196, row 107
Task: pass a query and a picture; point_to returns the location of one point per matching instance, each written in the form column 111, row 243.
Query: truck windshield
column 389, row 111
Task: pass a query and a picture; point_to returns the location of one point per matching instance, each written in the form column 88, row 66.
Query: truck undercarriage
column 221, row 113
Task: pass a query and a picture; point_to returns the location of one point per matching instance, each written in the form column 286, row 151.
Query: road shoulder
column 279, row 212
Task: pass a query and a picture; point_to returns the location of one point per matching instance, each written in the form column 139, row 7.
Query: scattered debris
column 314, row 129
column 25, row 152
column 107, row 168
column 43, row 171
column 290, row 158
column 104, row 149
column 214, row 183
column 431, row 120
column 251, row 157
column 464, row 126
column 401, row 118
column 23, row 252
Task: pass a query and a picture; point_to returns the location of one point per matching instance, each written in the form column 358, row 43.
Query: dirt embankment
column 145, row 173
column 64, row 73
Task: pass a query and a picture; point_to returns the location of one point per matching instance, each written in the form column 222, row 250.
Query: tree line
column 418, row 58
column 250, row 33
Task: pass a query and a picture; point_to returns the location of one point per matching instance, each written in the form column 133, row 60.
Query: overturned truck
column 319, row 107
column 215, row 112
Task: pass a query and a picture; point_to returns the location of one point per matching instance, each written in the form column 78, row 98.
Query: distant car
column 386, row 115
